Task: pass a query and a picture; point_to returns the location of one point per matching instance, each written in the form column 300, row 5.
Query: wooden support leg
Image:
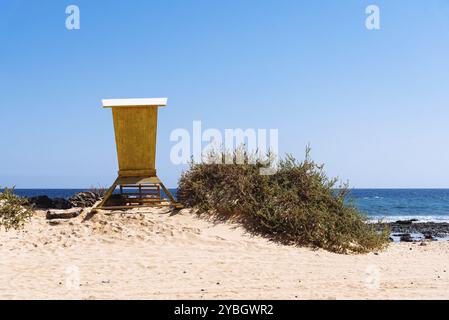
column 108, row 194
column 170, row 196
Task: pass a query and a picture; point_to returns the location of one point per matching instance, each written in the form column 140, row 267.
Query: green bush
column 298, row 204
column 14, row 210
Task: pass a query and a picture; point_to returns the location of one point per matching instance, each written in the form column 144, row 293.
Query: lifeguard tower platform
column 137, row 185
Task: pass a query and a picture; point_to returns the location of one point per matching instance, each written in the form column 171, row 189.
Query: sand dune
column 155, row 254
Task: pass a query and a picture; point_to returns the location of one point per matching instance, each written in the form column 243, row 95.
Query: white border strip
column 159, row 102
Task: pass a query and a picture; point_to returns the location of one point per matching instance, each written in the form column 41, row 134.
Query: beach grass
column 14, row 210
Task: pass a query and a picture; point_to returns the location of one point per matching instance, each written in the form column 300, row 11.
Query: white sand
column 154, row 255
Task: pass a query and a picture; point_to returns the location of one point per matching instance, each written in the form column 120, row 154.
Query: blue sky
column 374, row 105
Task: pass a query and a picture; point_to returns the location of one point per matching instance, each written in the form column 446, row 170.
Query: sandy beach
column 156, row 254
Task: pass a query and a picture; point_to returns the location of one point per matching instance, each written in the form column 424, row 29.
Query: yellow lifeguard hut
column 135, row 126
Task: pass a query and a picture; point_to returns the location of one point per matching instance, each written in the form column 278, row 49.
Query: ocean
column 386, row 204
column 400, row 204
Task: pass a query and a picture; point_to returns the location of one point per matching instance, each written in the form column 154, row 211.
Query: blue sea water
column 57, row 193
column 401, row 204
column 386, row 204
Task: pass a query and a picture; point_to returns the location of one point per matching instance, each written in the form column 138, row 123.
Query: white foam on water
column 434, row 218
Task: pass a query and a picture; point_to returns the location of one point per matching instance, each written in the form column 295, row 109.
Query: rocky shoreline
column 413, row 230
column 79, row 200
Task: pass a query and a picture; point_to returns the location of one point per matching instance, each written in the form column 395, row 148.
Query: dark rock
column 44, row 202
column 406, row 221
column 428, row 235
column 401, row 234
column 406, row 238
column 60, row 203
column 84, row 199
column 41, row 202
